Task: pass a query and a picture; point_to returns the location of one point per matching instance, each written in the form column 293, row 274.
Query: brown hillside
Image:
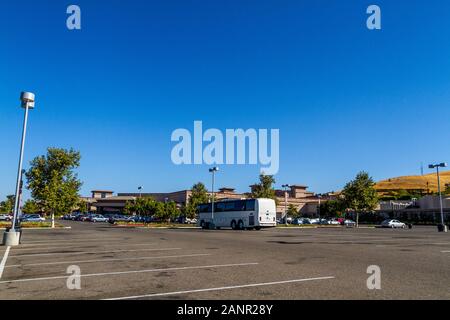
column 414, row 182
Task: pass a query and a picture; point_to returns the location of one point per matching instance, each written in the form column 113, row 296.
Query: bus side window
column 239, row 205
column 229, row 206
column 219, row 207
column 203, row 208
column 250, row 205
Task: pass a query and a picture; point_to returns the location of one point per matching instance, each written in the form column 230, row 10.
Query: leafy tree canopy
column 52, row 181
column 360, row 194
column 7, row 206
column 30, row 206
column 264, row 189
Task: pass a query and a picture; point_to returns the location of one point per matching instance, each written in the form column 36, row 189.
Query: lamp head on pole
column 439, row 165
column 214, row 169
column 27, row 99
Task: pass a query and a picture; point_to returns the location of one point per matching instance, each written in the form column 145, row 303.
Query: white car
column 98, row 218
column 391, row 223
column 32, row 218
column 334, row 222
column 5, row 217
column 349, row 223
column 190, row 221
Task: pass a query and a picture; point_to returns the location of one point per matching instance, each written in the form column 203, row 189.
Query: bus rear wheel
column 202, row 224
column 241, row 225
column 257, row 228
column 233, row 225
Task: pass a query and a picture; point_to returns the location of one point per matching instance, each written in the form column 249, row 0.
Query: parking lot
column 138, row 263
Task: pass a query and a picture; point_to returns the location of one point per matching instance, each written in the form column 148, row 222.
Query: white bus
column 239, row 214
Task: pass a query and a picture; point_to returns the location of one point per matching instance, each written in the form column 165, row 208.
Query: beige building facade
column 306, row 202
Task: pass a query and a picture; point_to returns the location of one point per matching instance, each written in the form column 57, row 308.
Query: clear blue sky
column 344, row 98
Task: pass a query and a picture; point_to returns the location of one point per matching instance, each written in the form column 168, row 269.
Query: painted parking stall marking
column 222, row 288
column 3, row 262
column 107, row 260
column 135, row 272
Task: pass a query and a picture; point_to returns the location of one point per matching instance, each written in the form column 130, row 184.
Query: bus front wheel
column 233, row 225
column 257, row 228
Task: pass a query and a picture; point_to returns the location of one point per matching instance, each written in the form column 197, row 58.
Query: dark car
column 119, row 218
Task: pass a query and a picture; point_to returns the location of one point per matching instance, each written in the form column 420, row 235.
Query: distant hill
column 414, row 183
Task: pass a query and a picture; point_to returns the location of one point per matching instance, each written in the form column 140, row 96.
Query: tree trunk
column 357, row 219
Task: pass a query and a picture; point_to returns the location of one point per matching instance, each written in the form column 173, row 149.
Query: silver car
column 392, row 223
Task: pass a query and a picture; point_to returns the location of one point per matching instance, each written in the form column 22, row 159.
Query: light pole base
column 11, row 238
column 442, row 228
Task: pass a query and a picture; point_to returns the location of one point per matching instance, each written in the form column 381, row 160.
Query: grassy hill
column 414, row 182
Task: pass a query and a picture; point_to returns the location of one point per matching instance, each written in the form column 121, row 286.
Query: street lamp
column 213, row 170
column 12, row 237
column 319, row 196
column 443, row 227
column 140, row 191
column 285, row 187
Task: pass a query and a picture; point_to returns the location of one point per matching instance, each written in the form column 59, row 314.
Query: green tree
column 30, row 206
column 83, row 206
column 7, row 206
column 52, row 180
column 333, row 208
column 360, row 194
column 292, row 211
column 199, row 194
column 167, row 211
column 264, row 189
column 447, row 189
column 129, row 208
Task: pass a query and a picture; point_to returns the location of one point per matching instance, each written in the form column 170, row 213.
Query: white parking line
column 3, row 263
column 446, row 251
column 220, row 288
column 134, row 271
column 78, row 247
column 69, row 240
column 87, row 252
column 107, row 260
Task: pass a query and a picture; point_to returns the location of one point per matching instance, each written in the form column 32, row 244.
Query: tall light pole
column 437, row 166
column 285, row 187
column 12, row 237
column 140, row 191
column 213, row 170
column 319, row 196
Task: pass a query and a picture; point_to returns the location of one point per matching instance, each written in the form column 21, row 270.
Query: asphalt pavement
column 136, row 263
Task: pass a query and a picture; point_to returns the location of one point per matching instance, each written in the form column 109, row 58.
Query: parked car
column 5, row 217
column 79, row 217
column 334, row 222
column 391, row 223
column 349, row 223
column 86, row 218
column 297, row 221
column 98, row 218
column 190, row 221
column 119, row 218
column 32, row 218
